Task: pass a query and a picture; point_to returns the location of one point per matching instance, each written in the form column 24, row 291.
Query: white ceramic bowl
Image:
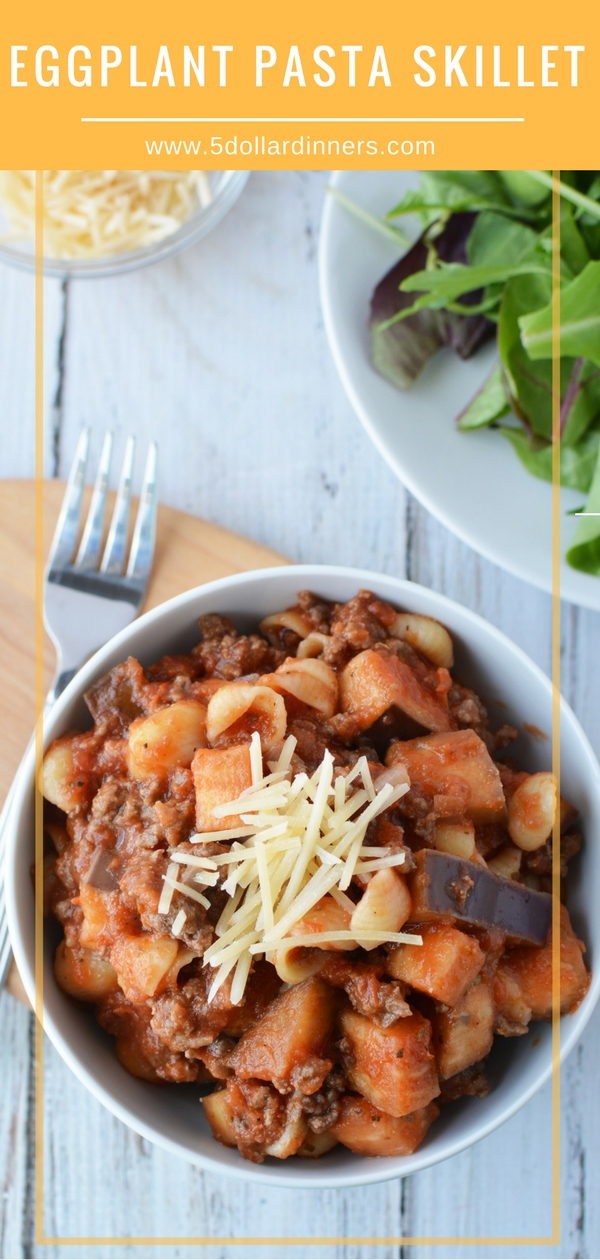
column 514, row 689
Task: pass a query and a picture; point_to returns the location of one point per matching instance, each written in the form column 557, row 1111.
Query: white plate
column 472, row 482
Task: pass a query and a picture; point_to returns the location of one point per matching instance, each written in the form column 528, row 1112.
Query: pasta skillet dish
column 298, row 868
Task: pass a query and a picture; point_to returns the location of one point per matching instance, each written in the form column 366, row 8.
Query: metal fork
column 89, row 593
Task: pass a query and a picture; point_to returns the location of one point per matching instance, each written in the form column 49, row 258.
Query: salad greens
column 482, row 267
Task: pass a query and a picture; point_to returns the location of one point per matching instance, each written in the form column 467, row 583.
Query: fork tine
column 89, row 548
column 113, row 559
column 144, row 534
column 67, row 529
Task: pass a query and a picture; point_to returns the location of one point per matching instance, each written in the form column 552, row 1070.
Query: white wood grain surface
column 221, row 355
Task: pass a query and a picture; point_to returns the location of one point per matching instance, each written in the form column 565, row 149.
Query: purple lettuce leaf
column 401, row 351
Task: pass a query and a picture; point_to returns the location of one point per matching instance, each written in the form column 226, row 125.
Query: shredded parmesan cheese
column 166, row 896
column 320, row 938
column 178, row 922
column 89, row 214
column 192, row 859
column 187, row 891
column 256, row 767
column 302, row 839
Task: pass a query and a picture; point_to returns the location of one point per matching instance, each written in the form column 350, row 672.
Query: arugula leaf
column 441, row 193
column 579, row 199
column 489, row 404
column 580, row 406
column 579, row 320
column 445, row 284
column 573, row 248
column 584, row 552
column 523, row 188
column 530, row 384
column 577, row 463
column 498, row 241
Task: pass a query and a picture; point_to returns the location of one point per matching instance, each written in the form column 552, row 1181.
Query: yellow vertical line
column 556, row 438
column 39, row 704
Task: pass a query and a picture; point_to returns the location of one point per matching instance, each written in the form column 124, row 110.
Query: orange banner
column 273, row 86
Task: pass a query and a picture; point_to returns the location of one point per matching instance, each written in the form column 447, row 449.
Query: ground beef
column 380, row 1000
column 141, row 885
column 184, row 1019
column 215, row 1057
column 489, row 837
column 472, row 1082
column 223, row 653
column 139, row 1045
column 467, row 709
column 540, row 861
column 353, row 629
column 260, row 1116
column 179, row 670
column 318, row 611
column 314, row 737
column 323, row 1108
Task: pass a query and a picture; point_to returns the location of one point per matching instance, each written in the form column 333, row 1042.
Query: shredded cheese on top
column 303, row 838
column 89, row 214
column 178, row 922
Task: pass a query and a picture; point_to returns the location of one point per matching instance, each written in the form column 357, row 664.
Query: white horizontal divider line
column 587, row 513
column 302, row 120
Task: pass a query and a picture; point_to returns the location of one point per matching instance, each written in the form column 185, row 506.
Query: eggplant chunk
column 394, row 1067
column 316, row 1144
column 374, row 681
column 288, row 1045
column 220, row 775
column 464, row 1035
column 444, row 966
column 454, row 764
column 219, row 1113
column 366, row 1130
column 447, row 887
column 524, row 977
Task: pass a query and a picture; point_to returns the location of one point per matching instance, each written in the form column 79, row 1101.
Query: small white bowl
column 514, row 690
column 225, row 187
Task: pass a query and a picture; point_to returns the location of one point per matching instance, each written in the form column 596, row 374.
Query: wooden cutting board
column 189, row 551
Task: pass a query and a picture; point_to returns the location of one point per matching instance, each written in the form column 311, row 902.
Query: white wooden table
column 221, row 355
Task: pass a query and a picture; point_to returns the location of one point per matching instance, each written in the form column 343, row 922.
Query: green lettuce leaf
column 579, row 320
column 573, row 248
column 584, row 552
column 523, row 188
column 445, row 192
column 496, row 241
column 529, row 384
column 488, row 405
column 445, row 284
column 577, row 463
column 581, row 403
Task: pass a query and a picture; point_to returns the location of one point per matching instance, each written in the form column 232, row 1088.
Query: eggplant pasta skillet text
column 297, row 868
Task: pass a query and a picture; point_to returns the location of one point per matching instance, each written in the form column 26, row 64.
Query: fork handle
column 60, row 682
